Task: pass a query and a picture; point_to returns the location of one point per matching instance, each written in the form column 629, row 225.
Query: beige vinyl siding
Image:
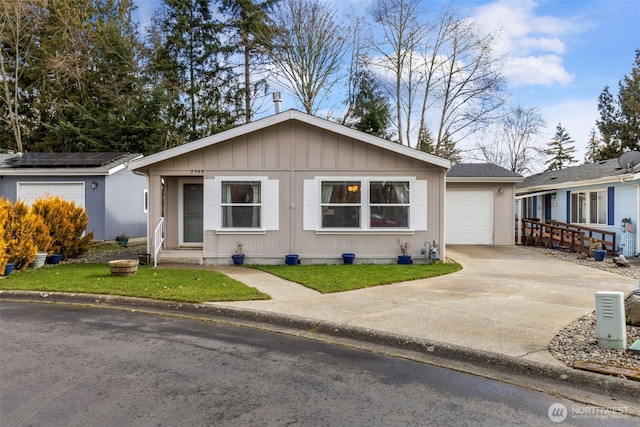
column 291, row 152
column 503, row 208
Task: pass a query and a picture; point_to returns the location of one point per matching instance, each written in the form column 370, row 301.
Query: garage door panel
column 470, row 217
column 70, row 191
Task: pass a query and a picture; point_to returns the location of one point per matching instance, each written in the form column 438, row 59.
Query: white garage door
column 70, row 191
column 469, row 217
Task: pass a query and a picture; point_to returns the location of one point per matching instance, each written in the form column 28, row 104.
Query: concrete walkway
column 506, row 300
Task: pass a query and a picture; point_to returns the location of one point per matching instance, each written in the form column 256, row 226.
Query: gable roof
column 281, row 118
column 481, row 172
column 68, row 164
column 602, row 172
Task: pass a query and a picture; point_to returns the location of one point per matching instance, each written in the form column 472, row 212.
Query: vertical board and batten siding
column 503, row 208
column 291, row 152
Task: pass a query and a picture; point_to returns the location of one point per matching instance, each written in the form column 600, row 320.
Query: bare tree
column 443, row 72
column 514, row 146
column 308, row 50
column 472, row 87
column 401, row 34
column 19, row 23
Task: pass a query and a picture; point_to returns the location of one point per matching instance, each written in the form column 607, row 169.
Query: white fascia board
column 53, row 172
column 576, row 184
column 485, row 179
column 283, row 117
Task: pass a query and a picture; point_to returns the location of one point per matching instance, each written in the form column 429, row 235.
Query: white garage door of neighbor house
column 469, row 217
column 70, row 191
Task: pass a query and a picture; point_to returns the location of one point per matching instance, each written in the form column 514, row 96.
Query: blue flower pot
column 291, row 259
column 8, row 269
column 54, row 259
column 348, row 258
column 238, row 259
column 404, row 259
column 599, row 254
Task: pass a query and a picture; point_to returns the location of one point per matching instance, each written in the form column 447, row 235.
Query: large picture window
column 363, row 204
column 241, row 204
column 589, row 207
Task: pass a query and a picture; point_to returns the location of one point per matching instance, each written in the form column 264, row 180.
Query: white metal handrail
column 158, row 240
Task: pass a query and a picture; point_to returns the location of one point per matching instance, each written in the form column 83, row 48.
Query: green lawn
column 184, row 285
column 200, row 285
column 338, row 278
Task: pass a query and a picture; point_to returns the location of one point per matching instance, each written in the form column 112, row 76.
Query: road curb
column 588, row 381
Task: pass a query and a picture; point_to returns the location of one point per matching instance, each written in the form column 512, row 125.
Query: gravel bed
column 579, row 341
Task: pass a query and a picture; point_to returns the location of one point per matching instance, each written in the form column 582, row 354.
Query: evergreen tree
column 629, row 104
column 619, row 122
column 448, row 149
column 593, row 148
column 195, row 73
column 560, row 150
column 250, row 32
column 371, row 112
column 426, row 142
column 608, row 126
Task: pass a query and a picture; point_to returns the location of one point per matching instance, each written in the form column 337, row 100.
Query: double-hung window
column 589, row 207
column 341, row 203
column 389, row 204
column 241, row 204
column 246, row 204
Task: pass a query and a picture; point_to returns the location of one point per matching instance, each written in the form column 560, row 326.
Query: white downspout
column 622, row 181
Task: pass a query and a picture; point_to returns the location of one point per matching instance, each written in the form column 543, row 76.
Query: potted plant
column 122, row 239
column 8, row 268
column 599, row 254
column 291, row 259
column 405, row 258
column 348, row 257
column 237, row 254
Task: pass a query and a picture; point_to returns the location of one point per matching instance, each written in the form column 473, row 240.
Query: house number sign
column 197, row 171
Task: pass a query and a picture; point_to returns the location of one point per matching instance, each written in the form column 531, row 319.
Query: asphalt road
column 80, row 366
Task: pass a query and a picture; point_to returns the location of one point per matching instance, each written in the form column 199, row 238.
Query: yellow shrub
column 4, row 257
column 20, row 234
column 67, row 223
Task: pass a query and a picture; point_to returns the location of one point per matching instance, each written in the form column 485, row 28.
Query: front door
column 191, row 203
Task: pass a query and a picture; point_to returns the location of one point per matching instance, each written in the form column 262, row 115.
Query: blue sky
column 560, row 53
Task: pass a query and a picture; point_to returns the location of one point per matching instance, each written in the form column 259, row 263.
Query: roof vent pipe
column 277, row 100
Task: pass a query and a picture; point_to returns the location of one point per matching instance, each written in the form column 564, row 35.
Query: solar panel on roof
column 62, row 160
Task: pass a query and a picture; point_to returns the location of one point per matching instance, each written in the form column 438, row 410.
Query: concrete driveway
column 508, row 300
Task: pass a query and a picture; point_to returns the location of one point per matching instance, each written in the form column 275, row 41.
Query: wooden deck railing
column 572, row 237
column 606, row 238
column 536, row 233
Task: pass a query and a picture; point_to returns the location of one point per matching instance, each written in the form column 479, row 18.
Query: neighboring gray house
column 292, row 183
column 115, row 198
column 601, row 195
column 480, row 208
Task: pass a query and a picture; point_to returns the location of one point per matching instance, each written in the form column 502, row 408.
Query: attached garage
column 70, row 191
column 469, row 217
column 480, row 205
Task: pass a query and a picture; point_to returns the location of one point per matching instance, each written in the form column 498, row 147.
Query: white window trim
column 588, row 213
column 269, row 204
column 312, row 215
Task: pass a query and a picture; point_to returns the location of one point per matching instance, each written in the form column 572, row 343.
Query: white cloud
column 533, row 44
column 545, row 70
column 578, row 117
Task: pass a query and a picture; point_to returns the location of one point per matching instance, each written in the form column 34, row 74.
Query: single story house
column 115, row 197
column 292, row 183
column 480, row 209
column 603, row 195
